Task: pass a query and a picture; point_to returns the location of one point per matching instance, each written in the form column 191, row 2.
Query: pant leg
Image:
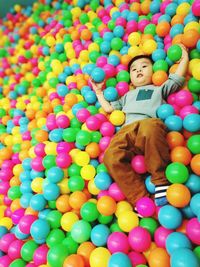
column 151, row 140
column 117, row 159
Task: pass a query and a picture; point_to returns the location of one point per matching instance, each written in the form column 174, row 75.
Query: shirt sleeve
column 173, row 84
column 117, row 104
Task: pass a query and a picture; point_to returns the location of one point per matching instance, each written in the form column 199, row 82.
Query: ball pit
column 59, row 205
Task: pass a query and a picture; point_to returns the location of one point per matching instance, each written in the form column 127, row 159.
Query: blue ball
column 19, row 234
column 171, row 9
column 177, row 240
column 155, row 6
column 40, row 229
column 158, row 54
column 149, row 185
column 183, row 257
column 108, row 36
column 110, row 93
column 170, row 217
column 187, row 212
column 174, row 123
column 193, row 183
column 165, row 111
column 90, row 97
column 51, row 191
column 195, row 203
column 192, row 122
column 62, row 90
column 56, row 135
column 38, row 202
column 99, row 235
column 176, row 29
column 164, row 17
column 119, row 259
column 25, row 187
column 118, row 31
column 102, row 180
column 113, row 60
column 197, row 103
column 55, row 174
column 3, row 231
column 105, row 48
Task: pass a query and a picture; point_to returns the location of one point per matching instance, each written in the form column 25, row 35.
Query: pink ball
column 161, row 235
column 164, row 5
column 110, row 70
column 93, row 123
column 101, row 61
column 39, row 150
column 176, row 109
column 17, row 215
column 138, row 164
column 137, row 258
column 101, row 117
column 131, row 26
column 63, row 147
column 26, row 222
column 40, row 255
column 139, row 239
column 63, row 160
column 167, row 39
column 142, row 24
column 155, row 18
column 115, row 192
column 121, row 67
column 51, row 122
column 193, row 230
column 104, row 142
column 118, row 242
column 122, row 88
column 15, row 249
column 62, row 121
column 83, row 114
column 103, row 193
column 107, row 129
column 5, row 261
column 120, row 22
column 183, row 98
column 4, row 186
column 37, row 165
column 171, row 99
column 6, row 175
column 5, row 241
column 145, row 207
column 188, row 110
column 31, row 265
column 196, row 8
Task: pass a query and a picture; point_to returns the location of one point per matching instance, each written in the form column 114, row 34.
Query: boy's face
column 141, row 72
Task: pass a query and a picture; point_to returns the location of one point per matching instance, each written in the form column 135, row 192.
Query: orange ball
column 85, row 249
column 190, row 38
column 163, row 28
column 175, row 139
column 182, row 228
column 74, row 261
column 145, row 7
column 41, row 136
column 77, row 199
column 136, row 8
column 178, row 195
column 125, row 59
column 93, row 150
column 62, row 203
column 106, row 205
column 159, row 77
column 159, row 257
column 71, row 99
column 177, row 19
column 181, row 154
column 177, row 39
column 195, row 164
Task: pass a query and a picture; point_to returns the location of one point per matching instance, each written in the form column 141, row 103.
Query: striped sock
column 160, row 195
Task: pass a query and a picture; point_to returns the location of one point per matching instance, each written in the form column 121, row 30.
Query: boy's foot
column 160, row 195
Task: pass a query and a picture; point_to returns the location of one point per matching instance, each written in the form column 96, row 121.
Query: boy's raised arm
column 183, row 62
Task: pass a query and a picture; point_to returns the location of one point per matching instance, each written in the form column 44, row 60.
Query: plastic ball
column 177, row 172
column 178, row 195
column 195, row 164
column 139, row 239
column 99, row 235
column 102, row 180
column 74, row 260
column 117, row 117
column 56, row 255
column 115, row 192
column 98, row 75
column 174, row 53
column 192, row 122
column 81, row 231
column 165, row 111
column 89, row 212
column 161, row 235
column 193, row 144
column 170, row 217
column 159, row 257
column 193, row 230
column 181, row 154
column 106, row 205
column 177, row 240
column 193, row 183
column 138, row 164
column 14, row 249
column 99, row 257
column 124, row 220
column 40, row 255
column 174, row 123
column 119, row 259
column 39, row 229
column 183, row 257
column 118, row 242
column 145, row 207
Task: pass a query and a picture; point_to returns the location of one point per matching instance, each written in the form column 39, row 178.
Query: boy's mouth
column 139, row 75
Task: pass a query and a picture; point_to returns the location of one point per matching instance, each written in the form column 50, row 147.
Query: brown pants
column 146, row 137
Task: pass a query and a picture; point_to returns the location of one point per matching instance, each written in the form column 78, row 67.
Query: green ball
column 160, row 65
column 75, row 123
column 83, row 138
column 93, row 55
column 150, row 224
column 89, row 212
column 49, row 161
column 76, row 183
column 28, row 250
column 111, row 25
column 53, row 81
column 92, row 109
column 150, row 29
column 95, row 136
column 74, row 169
column 70, row 244
column 111, row 82
column 123, row 76
column 174, row 53
column 18, row 263
column 194, row 85
column 52, row 204
column 2, row 112
column 56, row 255
column 193, row 144
column 197, row 252
column 103, row 219
column 81, row 231
column 54, row 218
column 116, row 43
column 69, row 134
column 14, row 192
column 84, row 18
column 115, row 228
column 177, row 172
column 101, row 168
column 194, row 53
column 55, row 237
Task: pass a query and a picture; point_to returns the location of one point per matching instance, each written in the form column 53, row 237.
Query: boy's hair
column 138, row 57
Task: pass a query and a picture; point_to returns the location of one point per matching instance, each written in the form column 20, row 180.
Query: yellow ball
column 92, row 188
column 122, row 206
column 193, row 25
column 36, row 185
column 134, row 51
column 82, row 158
column 67, row 221
column 71, row 53
column 50, row 41
column 193, row 64
column 7, row 222
column 31, row 152
column 117, row 117
column 88, row 172
column 183, row 9
column 99, row 257
column 93, row 47
column 50, row 148
column 17, row 169
column 134, row 38
column 84, row 55
column 63, row 185
column 196, row 72
column 149, row 46
column 128, row 220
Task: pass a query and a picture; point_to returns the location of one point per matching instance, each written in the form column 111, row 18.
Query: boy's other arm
column 183, row 62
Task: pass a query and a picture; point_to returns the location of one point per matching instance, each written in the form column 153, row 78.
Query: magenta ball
column 26, row 222
column 131, row 26
column 17, row 215
column 138, row 164
column 107, row 129
column 5, row 261
column 142, row 24
column 161, row 235
column 193, row 231
column 39, row 150
column 183, row 98
column 5, row 241
column 31, row 265
column 6, row 174
column 139, row 239
column 93, row 123
column 83, row 114
column 118, row 242
column 40, row 255
column 63, row 147
column 62, row 121
column 171, row 99
column 137, row 258
column 104, row 142
column 115, row 192
column 122, row 88
column 196, row 8
column 188, row 110
column 51, row 122
column 145, row 207
column 63, row 160
column 4, row 186
column 37, row 165
column 101, row 61
column 110, row 70
column 15, row 249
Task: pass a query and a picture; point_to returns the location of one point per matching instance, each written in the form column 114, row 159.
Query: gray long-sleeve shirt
column 142, row 102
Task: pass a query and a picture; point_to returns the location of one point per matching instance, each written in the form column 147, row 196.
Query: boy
column 142, row 133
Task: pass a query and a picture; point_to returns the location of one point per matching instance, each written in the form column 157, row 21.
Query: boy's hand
column 97, row 87
column 184, row 53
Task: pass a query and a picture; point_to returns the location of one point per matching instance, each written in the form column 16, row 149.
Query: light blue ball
column 177, row 240
column 99, row 235
column 3, row 231
column 108, row 36
column 174, row 123
column 192, row 122
column 113, row 60
column 118, row 31
column 56, row 135
column 165, row 111
column 25, row 200
column 149, row 185
column 51, row 191
column 155, row 6
column 170, row 217
column 193, row 183
column 183, row 257
column 105, row 48
column 40, row 229
column 62, row 90
column 25, row 187
column 98, row 75
column 195, row 203
column 110, row 93
column 158, row 54
column 171, row 9
column 176, row 29
column 102, row 180
column 38, row 202
column 119, row 259
column 90, row 97
column 55, row 174
column 164, row 17
column 19, row 234
column 187, row 212
column 197, row 103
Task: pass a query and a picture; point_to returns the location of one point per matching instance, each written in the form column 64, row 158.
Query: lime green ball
column 111, row 82
column 76, row 183
column 193, row 144
column 93, row 55
column 55, row 237
column 194, row 85
column 49, row 161
column 54, row 218
column 105, row 219
column 96, row 136
column 83, row 138
column 28, row 250
column 69, row 134
column 160, row 65
column 115, row 228
column 18, row 263
column 14, row 192
column 74, row 169
column 150, row 29
column 150, row 224
column 123, row 76
column 116, row 43
column 177, row 172
column 174, row 53
column 89, row 212
column 56, row 255
column 70, row 244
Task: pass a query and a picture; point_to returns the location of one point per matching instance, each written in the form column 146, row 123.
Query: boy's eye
column 144, row 66
column 133, row 69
